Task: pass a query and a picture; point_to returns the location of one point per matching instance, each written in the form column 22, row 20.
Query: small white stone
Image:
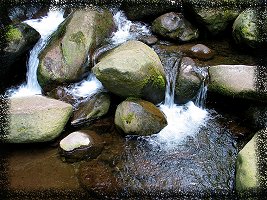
column 74, row 140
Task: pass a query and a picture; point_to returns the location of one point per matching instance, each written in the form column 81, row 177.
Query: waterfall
column 183, row 120
column 171, row 79
column 202, row 93
column 45, row 26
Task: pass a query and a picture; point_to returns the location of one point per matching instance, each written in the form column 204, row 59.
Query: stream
column 193, row 157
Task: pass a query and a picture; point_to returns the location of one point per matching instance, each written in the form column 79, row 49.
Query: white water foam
column 183, row 120
column 127, row 30
column 45, row 26
column 86, row 87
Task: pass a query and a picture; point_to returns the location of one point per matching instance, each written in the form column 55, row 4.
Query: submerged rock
column 80, row 145
column 65, row 58
column 250, row 27
column 238, row 81
column 250, row 167
column 202, row 52
column 174, row 26
column 132, row 70
column 100, row 180
column 93, row 108
column 37, row 119
column 138, row 117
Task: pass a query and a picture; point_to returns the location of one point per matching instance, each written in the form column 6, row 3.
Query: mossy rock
column 139, row 117
column 249, row 28
column 240, row 81
column 132, row 70
column 65, row 58
column 251, row 166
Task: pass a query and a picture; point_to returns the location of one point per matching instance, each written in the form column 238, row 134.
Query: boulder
column 139, row 117
column 241, row 81
column 92, row 108
column 36, row 119
column 250, row 27
column 214, row 15
column 188, row 81
column 83, row 144
column 250, row 166
column 132, row 70
column 65, row 58
column 174, row 26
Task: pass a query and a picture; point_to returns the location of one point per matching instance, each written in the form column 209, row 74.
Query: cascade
column 183, row 120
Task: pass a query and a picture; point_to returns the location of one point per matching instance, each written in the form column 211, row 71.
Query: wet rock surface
column 201, row 52
column 80, row 145
column 90, row 109
column 139, row 117
column 251, row 163
column 188, row 81
column 174, row 26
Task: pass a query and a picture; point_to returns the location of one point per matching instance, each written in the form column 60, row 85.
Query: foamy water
column 86, row 87
column 127, row 30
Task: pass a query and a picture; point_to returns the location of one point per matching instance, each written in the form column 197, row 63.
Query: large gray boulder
column 65, row 57
column 36, row 119
column 139, row 117
column 250, row 27
column 132, row 70
column 174, row 26
column 250, row 167
column 241, row 81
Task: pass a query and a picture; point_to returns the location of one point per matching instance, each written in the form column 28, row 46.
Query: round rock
column 80, row 145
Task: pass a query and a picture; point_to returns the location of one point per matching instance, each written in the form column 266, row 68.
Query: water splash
column 86, row 88
column 127, row 30
column 45, row 26
column 183, row 120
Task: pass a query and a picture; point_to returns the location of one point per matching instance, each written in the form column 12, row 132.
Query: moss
column 13, row 34
column 78, row 38
column 128, row 118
